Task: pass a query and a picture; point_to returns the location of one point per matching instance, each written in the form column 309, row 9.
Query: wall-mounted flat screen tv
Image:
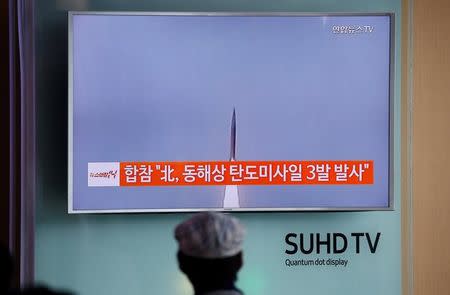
column 177, row 112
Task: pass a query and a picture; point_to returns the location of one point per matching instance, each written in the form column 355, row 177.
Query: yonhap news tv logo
column 103, row 174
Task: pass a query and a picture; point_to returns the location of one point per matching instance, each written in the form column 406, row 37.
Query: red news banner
column 246, row 173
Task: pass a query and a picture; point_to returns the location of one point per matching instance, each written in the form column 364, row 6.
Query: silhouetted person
column 42, row 290
column 6, row 270
column 210, row 252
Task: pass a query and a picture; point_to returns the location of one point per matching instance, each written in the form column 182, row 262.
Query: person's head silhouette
column 42, row 290
column 210, row 252
column 6, row 269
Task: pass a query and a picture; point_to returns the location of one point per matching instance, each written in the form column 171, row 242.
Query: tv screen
column 229, row 111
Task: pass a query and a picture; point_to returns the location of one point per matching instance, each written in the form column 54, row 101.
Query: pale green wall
column 135, row 254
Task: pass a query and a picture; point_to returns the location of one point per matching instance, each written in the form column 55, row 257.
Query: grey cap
column 210, row 235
